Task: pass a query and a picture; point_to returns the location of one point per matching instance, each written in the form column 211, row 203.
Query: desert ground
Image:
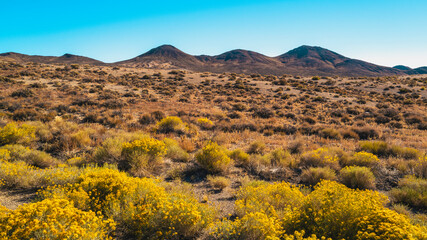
column 253, row 149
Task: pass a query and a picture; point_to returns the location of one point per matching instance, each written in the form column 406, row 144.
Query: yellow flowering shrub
column 174, row 216
column 149, row 146
column 140, row 206
column 101, row 190
column 323, row 157
column 4, row 154
column 18, row 175
column 214, row 158
column 276, row 200
column 53, row 219
column 62, row 174
column 335, row 211
column 23, row 176
column 13, row 134
column 254, row 225
column 299, row 235
column 363, row 159
column 205, row 123
column 171, row 124
column 3, row 211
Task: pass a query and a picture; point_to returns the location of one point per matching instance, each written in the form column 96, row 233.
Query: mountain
column 64, row 59
column 304, row 60
column 316, row 60
column 163, row 56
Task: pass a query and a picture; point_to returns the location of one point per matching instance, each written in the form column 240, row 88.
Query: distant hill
column 304, row 60
column 402, row 68
column 64, row 59
column 240, row 61
column 410, row 71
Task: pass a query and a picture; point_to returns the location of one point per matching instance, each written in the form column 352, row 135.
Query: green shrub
column 324, row 157
column 366, row 133
column 239, row 156
column 110, row 151
column 171, row 124
column 257, row 147
column 349, row 134
column 81, row 138
column 31, row 157
column 411, row 191
column 378, row 148
column 175, row 152
column 279, row 158
column 421, row 167
column 257, row 163
column 330, row 133
column 381, row 148
column 218, row 182
column 141, row 157
column 357, row 177
column 213, row 158
column 314, row 175
column 405, row 152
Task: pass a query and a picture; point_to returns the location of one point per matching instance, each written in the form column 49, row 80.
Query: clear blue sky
column 386, row 32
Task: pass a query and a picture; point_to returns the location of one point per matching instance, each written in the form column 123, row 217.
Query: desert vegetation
column 100, row 152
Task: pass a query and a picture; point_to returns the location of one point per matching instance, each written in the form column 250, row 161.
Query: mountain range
column 304, row 60
column 64, row 59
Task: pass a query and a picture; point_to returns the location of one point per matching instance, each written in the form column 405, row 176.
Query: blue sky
column 386, row 32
